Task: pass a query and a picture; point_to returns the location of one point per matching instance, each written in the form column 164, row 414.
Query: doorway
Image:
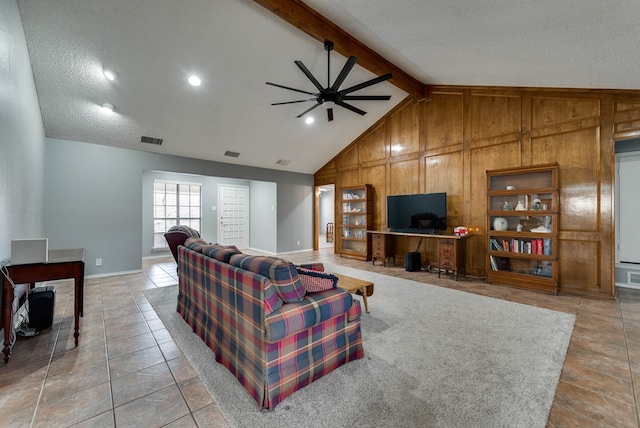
column 233, row 221
column 627, row 206
column 325, row 196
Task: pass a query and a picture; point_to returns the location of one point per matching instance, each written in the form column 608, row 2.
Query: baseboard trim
column 104, row 275
column 625, row 285
column 297, row 251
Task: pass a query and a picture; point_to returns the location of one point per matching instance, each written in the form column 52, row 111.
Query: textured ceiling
column 235, row 46
column 544, row 43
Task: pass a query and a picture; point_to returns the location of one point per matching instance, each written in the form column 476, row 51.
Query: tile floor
column 128, row 372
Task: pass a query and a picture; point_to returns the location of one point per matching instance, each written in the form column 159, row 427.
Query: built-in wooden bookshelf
column 356, row 217
column 522, row 227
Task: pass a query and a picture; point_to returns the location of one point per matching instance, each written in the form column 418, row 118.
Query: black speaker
column 42, row 301
column 412, row 262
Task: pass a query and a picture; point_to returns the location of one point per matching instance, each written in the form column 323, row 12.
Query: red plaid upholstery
column 283, row 274
column 355, row 311
column 220, row 252
column 225, row 306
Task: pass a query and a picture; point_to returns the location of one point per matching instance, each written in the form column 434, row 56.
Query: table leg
column 363, row 290
column 7, row 317
column 77, row 307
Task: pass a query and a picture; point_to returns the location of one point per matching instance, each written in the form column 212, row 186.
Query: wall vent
column 151, row 140
column 283, row 161
column 633, row 278
column 231, row 154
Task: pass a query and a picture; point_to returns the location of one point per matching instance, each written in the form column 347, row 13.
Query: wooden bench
column 356, row 286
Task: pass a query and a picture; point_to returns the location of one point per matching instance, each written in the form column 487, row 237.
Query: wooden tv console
column 450, row 254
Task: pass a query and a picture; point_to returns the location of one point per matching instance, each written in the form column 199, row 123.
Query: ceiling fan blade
column 293, row 102
column 367, row 97
column 307, row 73
column 307, row 110
column 344, row 72
column 291, row 89
column 366, row 84
column 330, row 114
column 352, row 108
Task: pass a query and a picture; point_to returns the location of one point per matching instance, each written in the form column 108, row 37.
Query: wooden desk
column 382, row 248
column 450, row 255
column 62, row 264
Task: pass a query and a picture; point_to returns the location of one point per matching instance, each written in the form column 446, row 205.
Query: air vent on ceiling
column 231, row 154
column 283, row 161
column 151, row 140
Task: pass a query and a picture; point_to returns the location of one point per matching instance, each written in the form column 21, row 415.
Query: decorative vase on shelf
column 520, row 206
column 500, row 223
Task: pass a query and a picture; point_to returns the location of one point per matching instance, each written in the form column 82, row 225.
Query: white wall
column 263, row 218
column 326, row 209
column 209, row 228
column 22, row 137
column 262, row 227
column 94, row 199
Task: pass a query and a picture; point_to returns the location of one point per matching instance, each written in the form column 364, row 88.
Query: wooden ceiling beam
column 301, row 16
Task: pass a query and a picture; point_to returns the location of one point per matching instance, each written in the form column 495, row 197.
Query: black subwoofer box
column 412, row 262
column 41, row 304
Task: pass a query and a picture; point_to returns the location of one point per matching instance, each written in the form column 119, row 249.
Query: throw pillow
column 195, row 244
column 283, row 274
column 220, row 252
column 314, row 281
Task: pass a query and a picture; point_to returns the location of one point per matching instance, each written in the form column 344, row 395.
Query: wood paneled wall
column 449, row 141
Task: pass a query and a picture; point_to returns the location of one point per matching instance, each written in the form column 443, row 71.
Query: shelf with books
column 356, row 206
column 522, row 219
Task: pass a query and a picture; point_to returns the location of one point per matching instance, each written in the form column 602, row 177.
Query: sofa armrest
column 314, row 309
column 354, row 312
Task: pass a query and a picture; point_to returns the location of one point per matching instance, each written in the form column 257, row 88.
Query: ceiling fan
column 332, row 95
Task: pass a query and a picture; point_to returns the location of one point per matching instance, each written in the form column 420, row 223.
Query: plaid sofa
column 251, row 313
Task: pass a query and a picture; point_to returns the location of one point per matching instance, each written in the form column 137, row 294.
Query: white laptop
column 27, row 251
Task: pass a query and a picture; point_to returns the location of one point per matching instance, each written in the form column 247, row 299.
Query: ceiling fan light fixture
column 309, row 120
column 328, row 104
column 194, row 81
column 110, row 75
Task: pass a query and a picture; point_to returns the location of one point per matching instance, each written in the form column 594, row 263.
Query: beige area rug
column 434, row 357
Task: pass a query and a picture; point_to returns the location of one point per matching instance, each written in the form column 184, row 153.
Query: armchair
column 177, row 235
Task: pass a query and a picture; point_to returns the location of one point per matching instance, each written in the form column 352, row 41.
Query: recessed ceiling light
column 194, row 81
column 309, row 120
column 109, row 74
column 108, row 107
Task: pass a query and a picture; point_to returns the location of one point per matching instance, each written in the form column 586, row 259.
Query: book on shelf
column 537, row 246
column 495, row 244
column 494, row 265
column 500, row 263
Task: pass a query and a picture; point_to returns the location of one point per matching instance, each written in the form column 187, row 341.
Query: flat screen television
column 420, row 213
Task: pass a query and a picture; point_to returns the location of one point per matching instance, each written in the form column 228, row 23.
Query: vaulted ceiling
column 235, row 46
